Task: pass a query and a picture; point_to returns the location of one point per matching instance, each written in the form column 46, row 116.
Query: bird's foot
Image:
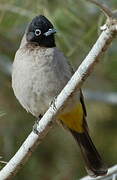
column 36, row 124
column 53, row 103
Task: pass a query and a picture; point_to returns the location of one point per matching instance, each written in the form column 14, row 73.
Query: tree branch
column 84, row 70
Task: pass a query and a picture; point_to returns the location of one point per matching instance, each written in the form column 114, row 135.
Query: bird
column 40, row 72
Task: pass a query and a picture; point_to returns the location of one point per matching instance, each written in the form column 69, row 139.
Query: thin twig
column 3, row 162
column 103, row 7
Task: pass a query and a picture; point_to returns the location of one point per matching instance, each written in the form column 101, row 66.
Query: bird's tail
column 93, row 162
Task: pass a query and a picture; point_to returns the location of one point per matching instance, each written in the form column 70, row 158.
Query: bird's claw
column 36, row 124
column 53, row 103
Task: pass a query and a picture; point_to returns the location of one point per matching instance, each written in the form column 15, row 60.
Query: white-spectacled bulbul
column 40, row 72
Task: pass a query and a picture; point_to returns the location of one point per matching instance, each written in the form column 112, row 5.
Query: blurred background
column 78, row 24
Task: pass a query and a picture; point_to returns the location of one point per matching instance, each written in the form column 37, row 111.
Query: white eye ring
column 37, row 32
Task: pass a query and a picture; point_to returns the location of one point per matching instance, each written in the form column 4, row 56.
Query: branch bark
column 84, row 70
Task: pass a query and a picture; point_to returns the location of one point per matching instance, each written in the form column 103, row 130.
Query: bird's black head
column 41, row 31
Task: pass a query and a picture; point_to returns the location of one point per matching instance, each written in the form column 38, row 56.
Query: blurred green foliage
column 78, row 22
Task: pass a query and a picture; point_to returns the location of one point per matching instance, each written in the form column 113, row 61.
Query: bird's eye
column 37, row 32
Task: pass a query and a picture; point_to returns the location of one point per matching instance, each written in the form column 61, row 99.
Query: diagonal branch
column 84, row 70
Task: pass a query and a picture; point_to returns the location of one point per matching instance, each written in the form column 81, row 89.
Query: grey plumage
column 39, row 74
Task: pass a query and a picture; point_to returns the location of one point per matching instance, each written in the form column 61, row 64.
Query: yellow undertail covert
column 74, row 118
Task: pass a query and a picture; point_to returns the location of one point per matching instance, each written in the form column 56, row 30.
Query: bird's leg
column 36, row 124
column 53, row 103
